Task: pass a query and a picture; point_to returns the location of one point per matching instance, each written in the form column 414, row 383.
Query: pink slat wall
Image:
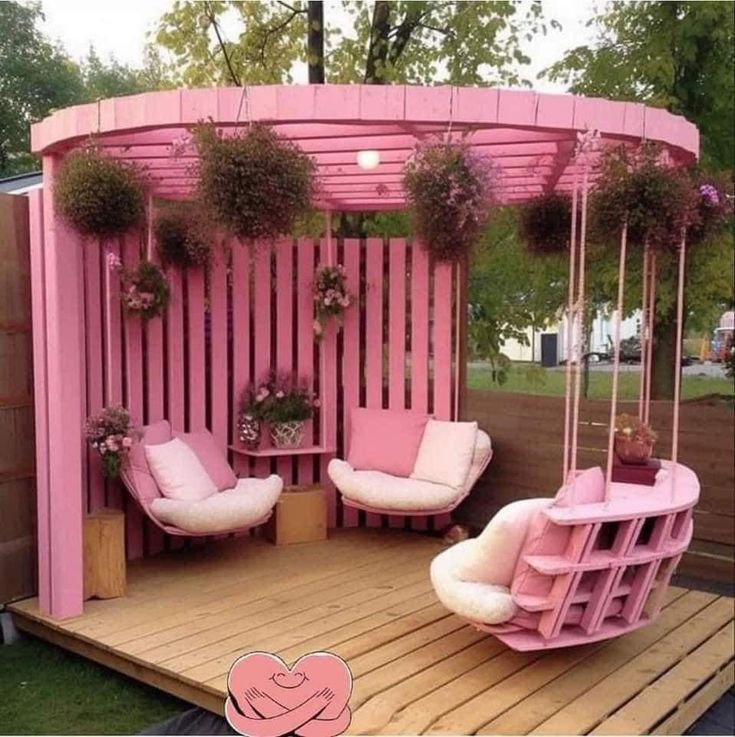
column 253, row 311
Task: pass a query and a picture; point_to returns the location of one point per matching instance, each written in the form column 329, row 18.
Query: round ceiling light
column 368, row 159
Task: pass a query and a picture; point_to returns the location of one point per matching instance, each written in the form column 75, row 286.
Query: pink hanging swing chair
column 595, row 561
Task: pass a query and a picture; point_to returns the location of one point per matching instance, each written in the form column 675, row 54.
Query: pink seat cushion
column 211, row 457
column 385, row 440
column 138, row 473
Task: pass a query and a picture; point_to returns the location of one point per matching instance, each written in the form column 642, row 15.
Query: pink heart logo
column 266, row 698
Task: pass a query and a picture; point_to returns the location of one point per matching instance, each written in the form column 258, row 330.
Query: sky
column 121, row 28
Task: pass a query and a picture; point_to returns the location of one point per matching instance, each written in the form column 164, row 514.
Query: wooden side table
column 104, row 554
column 300, row 516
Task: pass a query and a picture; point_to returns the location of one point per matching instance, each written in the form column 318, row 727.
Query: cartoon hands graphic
column 267, row 699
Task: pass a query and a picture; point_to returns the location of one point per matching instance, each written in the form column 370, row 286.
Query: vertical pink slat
column 175, row 351
column 374, row 335
column 218, row 366
column 40, row 396
column 240, row 336
column 196, row 358
column 419, row 282
column 284, row 329
column 113, row 347
column 95, row 386
column 65, row 387
column 397, row 334
column 351, row 356
column 442, row 354
column 133, row 331
column 305, row 337
column 328, row 398
column 262, row 291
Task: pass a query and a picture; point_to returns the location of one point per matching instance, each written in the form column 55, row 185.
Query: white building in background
column 601, row 335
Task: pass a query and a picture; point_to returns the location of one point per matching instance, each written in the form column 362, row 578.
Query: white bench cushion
column 250, row 501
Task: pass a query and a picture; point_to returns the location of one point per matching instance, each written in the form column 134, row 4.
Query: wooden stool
column 300, row 516
column 104, row 554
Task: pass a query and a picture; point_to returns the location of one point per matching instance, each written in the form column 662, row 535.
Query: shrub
column 98, row 195
column 546, row 222
column 255, row 184
column 183, row 236
column 449, row 188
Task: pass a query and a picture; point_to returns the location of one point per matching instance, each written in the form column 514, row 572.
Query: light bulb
column 368, row 159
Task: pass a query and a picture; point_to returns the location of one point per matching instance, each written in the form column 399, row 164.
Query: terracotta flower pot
column 287, row 434
column 249, row 431
column 634, row 452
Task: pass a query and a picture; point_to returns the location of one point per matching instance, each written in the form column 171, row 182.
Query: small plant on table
column 287, row 403
column 634, row 439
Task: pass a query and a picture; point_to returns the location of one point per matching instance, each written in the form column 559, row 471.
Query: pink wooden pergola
column 530, row 137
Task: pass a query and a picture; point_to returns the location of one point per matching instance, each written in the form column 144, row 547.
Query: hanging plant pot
column 145, row 292
column 254, row 184
column 183, row 236
column 657, row 201
column 546, row 223
column 449, row 189
column 286, row 435
column 98, row 195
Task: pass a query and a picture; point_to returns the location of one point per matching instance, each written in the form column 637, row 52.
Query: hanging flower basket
column 546, row 223
column 112, row 435
column 331, row 296
column 657, row 201
column 449, row 188
column 98, row 195
column 254, row 184
column 183, row 236
column 144, row 289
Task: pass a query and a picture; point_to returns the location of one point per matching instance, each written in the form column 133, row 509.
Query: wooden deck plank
column 366, row 595
column 655, row 702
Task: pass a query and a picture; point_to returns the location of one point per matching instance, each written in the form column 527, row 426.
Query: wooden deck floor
column 366, row 595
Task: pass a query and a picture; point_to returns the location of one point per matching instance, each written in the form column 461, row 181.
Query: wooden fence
column 17, row 483
column 527, row 433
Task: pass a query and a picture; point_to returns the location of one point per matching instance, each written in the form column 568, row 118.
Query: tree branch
column 268, row 32
column 213, row 21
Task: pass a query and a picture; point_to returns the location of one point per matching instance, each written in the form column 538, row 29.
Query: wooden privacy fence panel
column 17, row 483
column 252, row 311
column 528, row 432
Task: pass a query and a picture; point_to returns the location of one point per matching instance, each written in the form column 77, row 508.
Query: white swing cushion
column 472, row 578
column 250, row 501
column 385, row 491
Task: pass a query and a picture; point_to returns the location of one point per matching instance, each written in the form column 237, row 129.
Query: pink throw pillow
column 138, row 474
column 211, row 457
column 385, row 440
column 588, row 487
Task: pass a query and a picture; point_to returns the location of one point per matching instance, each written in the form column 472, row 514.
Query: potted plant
column 98, row 195
column 183, row 236
column 546, row 223
column 331, row 296
column 633, row 439
column 449, row 188
column 286, row 404
column 254, row 184
column 658, row 202
column 249, row 417
column 145, row 291
column 111, row 434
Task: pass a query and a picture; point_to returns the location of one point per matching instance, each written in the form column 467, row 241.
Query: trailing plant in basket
column 98, row 195
column 144, row 289
column 546, row 223
column 449, row 188
column 658, row 201
column 254, row 184
column 182, row 236
column 331, row 296
column 111, row 434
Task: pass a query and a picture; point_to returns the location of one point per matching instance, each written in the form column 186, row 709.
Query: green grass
column 46, row 690
column 600, row 386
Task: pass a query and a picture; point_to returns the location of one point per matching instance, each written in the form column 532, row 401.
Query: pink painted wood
column 196, row 391
column 240, row 337
column 175, row 352
column 305, row 340
column 284, row 332
column 133, row 374
column 218, row 368
column 350, row 370
column 262, row 293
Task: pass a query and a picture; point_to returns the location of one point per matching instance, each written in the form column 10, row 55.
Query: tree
column 390, row 41
column 35, row 77
column 677, row 55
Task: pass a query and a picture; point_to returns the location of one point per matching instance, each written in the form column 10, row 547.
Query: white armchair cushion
column 446, row 452
column 383, row 491
column 248, row 502
column 178, row 472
